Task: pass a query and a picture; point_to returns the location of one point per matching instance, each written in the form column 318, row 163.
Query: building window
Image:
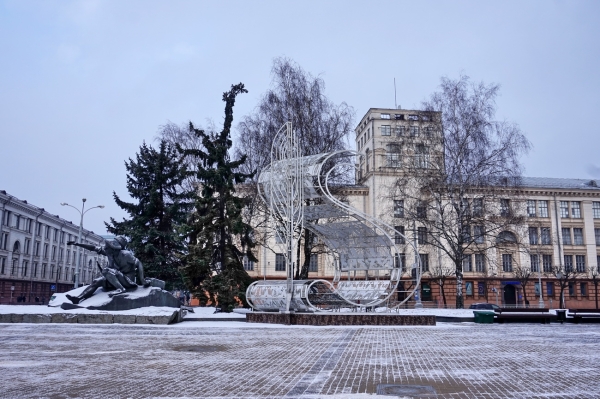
column 424, row 262
column 597, row 235
column 414, row 131
column 53, row 252
column 478, row 234
column 575, row 209
column 44, row 270
column 478, row 207
column 386, row 130
column 568, row 263
column 547, row 263
column 413, row 117
column 2, row 265
column 399, row 117
column 550, row 289
column 393, row 157
column 36, row 248
column 24, row 268
column 398, row 208
column 580, row 263
column 385, row 116
column 479, row 263
column 504, row 207
column 481, row 288
column 577, row 236
column 15, row 267
column 17, row 247
column 27, row 245
column 422, row 210
column 400, row 260
column 280, row 235
column 596, row 209
column 583, row 289
column 566, row 236
column 572, row 289
column 6, row 218
column 535, row 263
column 422, row 235
column 399, row 131
column 313, row 264
column 536, row 289
column 51, row 272
column 564, row 209
column 507, row 262
column 466, row 233
column 38, row 229
column 4, row 243
column 531, row 208
column 466, row 263
column 399, row 235
column 546, row 237
column 47, row 232
column 45, row 251
column 18, row 222
column 35, row 269
column 279, row 263
column 543, row 209
column 533, row 236
column 421, row 156
column 248, row 264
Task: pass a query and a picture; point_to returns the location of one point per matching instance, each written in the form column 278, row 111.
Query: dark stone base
column 155, row 297
column 340, row 319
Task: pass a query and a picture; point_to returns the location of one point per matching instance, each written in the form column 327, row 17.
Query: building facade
column 35, row 261
column 559, row 228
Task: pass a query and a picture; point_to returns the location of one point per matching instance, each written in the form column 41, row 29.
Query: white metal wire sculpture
column 297, row 192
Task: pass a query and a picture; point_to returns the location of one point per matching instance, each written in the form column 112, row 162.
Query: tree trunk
column 460, row 300
column 444, row 295
column 562, row 297
column 524, row 294
column 307, row 253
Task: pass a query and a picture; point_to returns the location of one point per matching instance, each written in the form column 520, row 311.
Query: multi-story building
column 35, row 261
column 559, row 226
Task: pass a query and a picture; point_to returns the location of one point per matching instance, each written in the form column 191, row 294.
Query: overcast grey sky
column 84, row 83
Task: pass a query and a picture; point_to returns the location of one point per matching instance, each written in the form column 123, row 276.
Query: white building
column 35, row 260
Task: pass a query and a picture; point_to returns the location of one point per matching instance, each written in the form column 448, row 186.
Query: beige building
column 35, row 261
column 560, row 226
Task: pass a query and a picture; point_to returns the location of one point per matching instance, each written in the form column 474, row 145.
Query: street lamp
column 541, row 302
column 82, row 213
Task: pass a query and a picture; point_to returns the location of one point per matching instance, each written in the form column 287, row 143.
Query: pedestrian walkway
column 239, row 360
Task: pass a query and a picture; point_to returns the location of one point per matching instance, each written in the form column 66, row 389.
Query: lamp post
column 82, row 213
column 541, row 302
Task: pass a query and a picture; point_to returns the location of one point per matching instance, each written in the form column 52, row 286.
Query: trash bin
column 484, row 317
column 561, row 315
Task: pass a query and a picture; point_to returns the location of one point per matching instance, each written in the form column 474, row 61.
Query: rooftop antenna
column 395, row 100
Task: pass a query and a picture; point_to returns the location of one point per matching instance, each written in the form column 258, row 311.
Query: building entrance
column 509, row 295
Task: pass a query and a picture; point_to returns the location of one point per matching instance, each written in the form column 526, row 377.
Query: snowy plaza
column 233, row 359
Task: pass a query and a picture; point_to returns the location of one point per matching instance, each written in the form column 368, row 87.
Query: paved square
column 238, row 360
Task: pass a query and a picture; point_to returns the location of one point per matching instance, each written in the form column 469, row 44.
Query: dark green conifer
column 219, row 239
column 156, row 228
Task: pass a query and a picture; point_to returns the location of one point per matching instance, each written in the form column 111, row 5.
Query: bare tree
column 565, row 275
column 321, row 125
column 440, row 274
column 524, row 275
column 460, row 181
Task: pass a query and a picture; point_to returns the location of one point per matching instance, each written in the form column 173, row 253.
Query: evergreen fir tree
column 157, row 227
column 214, row 266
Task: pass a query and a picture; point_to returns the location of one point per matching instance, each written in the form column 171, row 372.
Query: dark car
column 487, row 306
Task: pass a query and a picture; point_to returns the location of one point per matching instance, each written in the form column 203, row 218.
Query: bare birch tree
column 321, row 125
column 460, row 181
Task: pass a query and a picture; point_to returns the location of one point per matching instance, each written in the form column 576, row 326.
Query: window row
column 420, row 209
column 399, row 235
column 420, row 158
column 399, row 131
column 22, row 270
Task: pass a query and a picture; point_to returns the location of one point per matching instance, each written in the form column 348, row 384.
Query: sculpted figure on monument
column 119, row 275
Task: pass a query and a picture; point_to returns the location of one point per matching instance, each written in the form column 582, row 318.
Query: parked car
column 487, row 306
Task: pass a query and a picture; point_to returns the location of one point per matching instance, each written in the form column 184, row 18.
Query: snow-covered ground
column 43, row 309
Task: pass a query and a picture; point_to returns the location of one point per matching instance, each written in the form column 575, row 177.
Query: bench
column 525, row 315
column 588, row 314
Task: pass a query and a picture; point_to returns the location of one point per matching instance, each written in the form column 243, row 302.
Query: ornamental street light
column 82, row 213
